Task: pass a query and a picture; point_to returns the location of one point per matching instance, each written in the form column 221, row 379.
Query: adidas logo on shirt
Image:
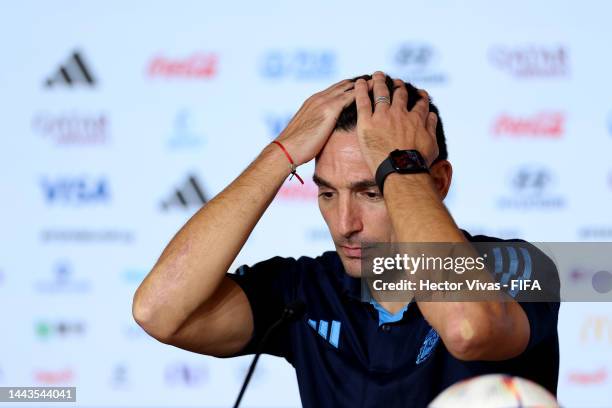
column 71, row 73
column 331, row 333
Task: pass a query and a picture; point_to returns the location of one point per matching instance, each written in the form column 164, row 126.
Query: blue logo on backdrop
column 184, row 132
column 119, row 377
column 300, row 64
column 186, row 374
column 330, row 333
column 277, row 123
column 134, row 275
column 75, row 190
column 531, row 187
column 63, row 280
column 427, row 348
column 417, row 63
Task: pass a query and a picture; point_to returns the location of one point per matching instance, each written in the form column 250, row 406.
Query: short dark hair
column 348, row 117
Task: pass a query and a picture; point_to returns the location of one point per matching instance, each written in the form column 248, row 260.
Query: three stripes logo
column 511, row 265
column 190, row 194
column 73, row 72
column 331, row 333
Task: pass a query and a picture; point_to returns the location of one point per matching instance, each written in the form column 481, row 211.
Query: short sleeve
column 543, row 315
column 269, row 286
column 518, row 259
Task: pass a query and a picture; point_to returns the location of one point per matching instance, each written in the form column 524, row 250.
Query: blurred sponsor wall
column 120, row 120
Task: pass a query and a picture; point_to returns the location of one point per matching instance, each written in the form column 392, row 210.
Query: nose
column 349, row 217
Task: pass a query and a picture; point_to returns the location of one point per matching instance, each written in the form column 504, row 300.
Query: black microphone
column 292, row 311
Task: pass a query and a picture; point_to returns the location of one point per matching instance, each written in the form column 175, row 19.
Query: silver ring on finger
column 382, row 99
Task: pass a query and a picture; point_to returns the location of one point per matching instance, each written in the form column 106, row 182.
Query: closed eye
column 372, row 195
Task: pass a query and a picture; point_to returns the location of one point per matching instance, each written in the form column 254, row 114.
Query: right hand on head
column 308, row 130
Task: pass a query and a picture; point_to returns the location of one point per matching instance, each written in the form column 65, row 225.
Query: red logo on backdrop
column 531, row 61
column 293, row 190
column 540, row 125
column 585, row 378
column 54, row 377
column 199, row 65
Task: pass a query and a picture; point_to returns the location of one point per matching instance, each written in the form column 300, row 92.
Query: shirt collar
column 384, row 316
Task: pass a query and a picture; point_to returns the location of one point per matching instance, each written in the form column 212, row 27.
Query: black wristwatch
column 400, row 161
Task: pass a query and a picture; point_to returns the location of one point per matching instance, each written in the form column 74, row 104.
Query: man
column 346, row 352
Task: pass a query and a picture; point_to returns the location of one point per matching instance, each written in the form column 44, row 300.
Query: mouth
column 351, row 252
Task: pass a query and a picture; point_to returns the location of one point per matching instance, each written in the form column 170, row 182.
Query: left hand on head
column 391, row 126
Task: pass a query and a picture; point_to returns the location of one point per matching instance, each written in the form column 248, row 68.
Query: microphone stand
column 291, row 312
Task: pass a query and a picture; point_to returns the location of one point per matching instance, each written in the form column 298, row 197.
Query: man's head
column 349, row 199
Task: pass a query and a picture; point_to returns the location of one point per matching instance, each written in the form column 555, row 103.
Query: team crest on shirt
column 428, row 346
column 330, row 332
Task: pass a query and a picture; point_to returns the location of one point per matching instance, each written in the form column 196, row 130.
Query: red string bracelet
column 292, row 165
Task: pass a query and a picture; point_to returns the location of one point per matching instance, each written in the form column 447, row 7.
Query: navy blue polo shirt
column 351, row 353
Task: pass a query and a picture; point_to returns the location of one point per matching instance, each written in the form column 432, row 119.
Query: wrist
column 375, row 160
column 400, row 162
column 411, row 179
column 283, row 155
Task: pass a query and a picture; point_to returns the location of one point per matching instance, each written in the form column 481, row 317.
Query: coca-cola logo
column 585, row 377
column 199, row 65
column 59, row 376
column 539, row 125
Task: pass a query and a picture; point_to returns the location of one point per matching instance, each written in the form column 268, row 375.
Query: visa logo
column 75, row 190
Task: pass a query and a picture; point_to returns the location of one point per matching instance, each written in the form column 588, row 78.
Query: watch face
column 404, row 159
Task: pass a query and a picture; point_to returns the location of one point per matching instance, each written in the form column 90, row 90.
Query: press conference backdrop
column 120, row 119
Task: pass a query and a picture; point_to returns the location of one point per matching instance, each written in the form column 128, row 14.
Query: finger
column 432, row 123
column 422, row 106
column 400, row 95
column 338, row 87
column 344, row 99
column 380, row 90
column 362, row 100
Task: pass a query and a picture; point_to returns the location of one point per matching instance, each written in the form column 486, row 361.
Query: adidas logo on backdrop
column 73, row 72
column 190, row 194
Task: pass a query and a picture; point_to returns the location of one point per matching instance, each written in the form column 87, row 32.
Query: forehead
column 340, row 161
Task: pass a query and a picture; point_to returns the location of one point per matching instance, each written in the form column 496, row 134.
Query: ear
column 442, row 174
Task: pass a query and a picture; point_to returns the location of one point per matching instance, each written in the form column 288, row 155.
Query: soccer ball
column 495, row 391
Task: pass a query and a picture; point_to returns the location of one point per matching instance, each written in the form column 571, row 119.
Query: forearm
column 416, row 210
column 471, row 330
column 195, row 261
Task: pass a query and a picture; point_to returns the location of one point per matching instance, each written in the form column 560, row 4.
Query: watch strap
column 387, row 167
column 384, row 169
